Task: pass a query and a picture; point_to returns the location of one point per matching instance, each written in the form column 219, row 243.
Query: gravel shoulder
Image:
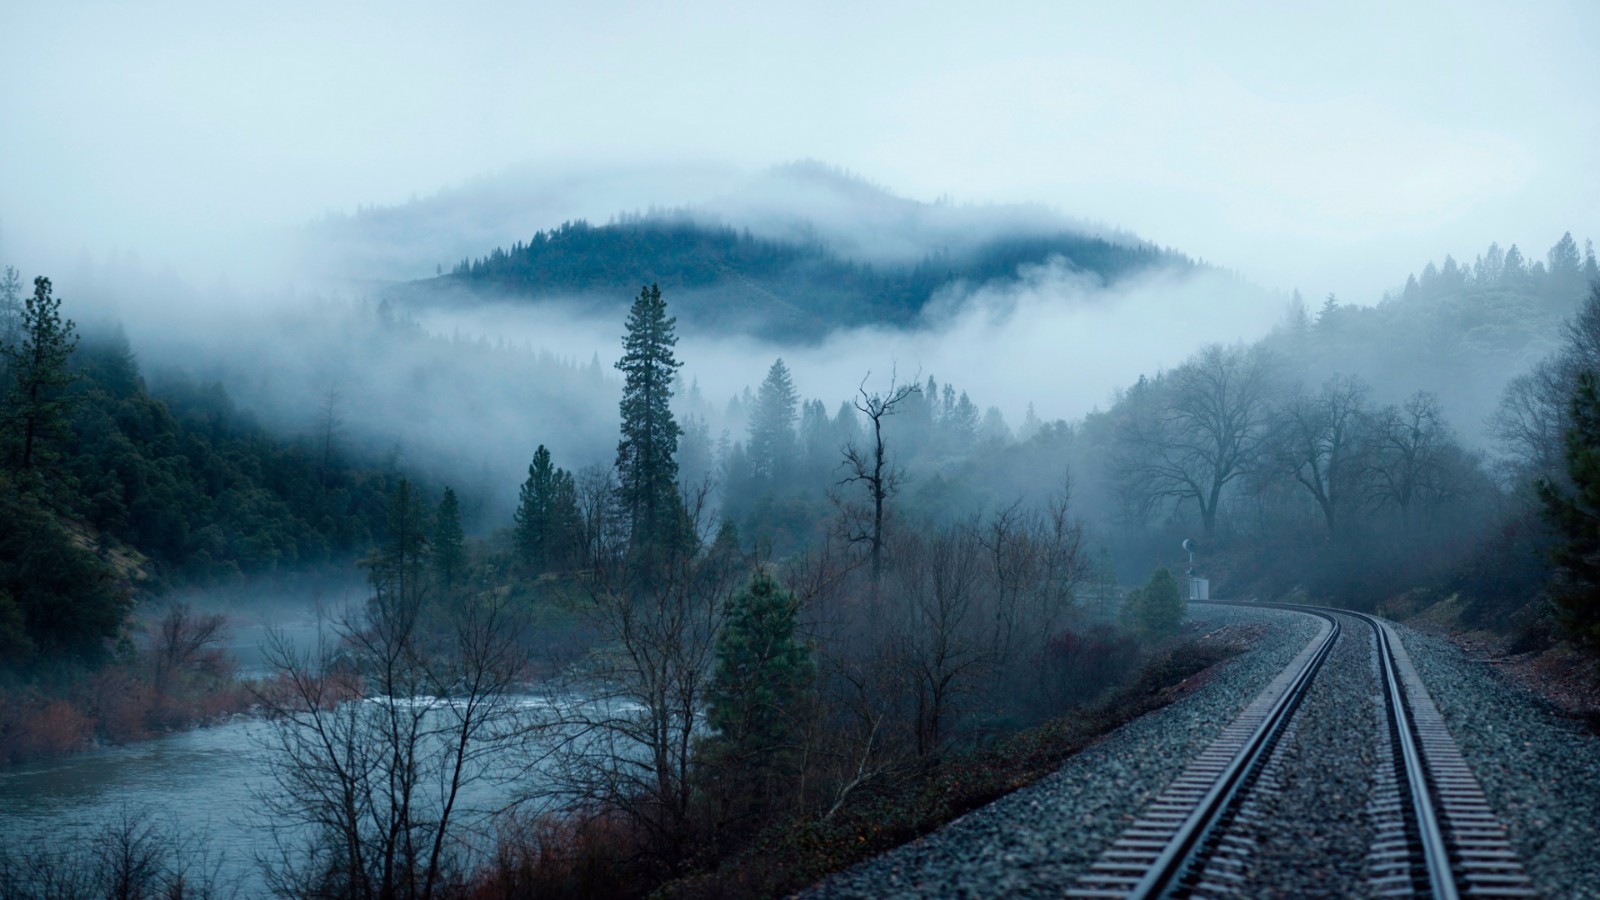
column 1539, row 768
column 1035, row 842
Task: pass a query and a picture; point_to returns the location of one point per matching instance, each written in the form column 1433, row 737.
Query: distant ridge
column 728, row 278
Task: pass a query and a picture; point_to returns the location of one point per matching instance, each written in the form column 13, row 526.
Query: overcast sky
column 1333, row 149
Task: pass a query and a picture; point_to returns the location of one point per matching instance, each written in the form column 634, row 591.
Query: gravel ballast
column 1034, row 842
column 1539, row 769
column 1308, row 818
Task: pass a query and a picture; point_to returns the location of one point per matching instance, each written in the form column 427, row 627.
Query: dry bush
column 562, row 855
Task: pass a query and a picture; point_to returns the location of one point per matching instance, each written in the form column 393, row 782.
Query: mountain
column 792, row 253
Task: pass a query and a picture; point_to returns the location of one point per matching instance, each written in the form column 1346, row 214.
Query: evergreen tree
column 1157, row 608
column 1575, row 517
column 398, row 570
column 10, row 307
column 56, row 596
column 1565, row 264
column 533, row 510
column 547, row 514
column 1514, row 271
column 38, row 405
column 647, row 467
column 762, row 676
column 449, row 543
column 771, row 446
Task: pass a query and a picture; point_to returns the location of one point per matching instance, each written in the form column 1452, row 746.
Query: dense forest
column 112, row 495
column 730, row 280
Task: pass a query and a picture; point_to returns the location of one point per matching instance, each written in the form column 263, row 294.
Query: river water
column 200, row 786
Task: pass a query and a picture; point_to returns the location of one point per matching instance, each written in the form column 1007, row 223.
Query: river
column 200, row 786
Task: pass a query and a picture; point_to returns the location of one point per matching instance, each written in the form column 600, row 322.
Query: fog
column 237, row 188
column 462, row 395
column 1055, row 339
column 1303, row 147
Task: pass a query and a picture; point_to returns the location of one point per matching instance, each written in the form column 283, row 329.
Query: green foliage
column 38, row 404
column 1575, row 517
column 547, row 515
column 781, row 289
column 797, row 851
column 57, row 598
column 647, row 467
column 398, row 570
column 1157, row 608
column 771, row 448
column 199, row 489
column 449, row 544
column 762, row 677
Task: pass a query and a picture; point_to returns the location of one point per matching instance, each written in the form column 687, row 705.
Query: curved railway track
column 1436, row 834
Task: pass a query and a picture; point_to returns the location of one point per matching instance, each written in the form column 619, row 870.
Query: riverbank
column 170, row 672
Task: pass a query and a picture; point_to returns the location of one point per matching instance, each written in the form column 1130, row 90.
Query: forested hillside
column 112, row 492
column 1458, row 330
column 729, row 280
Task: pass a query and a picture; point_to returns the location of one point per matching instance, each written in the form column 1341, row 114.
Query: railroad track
column 1436, row 834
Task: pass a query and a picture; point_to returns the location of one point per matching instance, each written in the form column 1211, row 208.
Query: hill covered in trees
column 1461, row 331
column 730, row 279
column 109, row 492
column 807, row 251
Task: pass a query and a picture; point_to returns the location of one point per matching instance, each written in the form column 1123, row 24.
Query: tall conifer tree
column 449, row 543
column 647, row 466
column 37, row 406
column 547, row 514
column 771, row 449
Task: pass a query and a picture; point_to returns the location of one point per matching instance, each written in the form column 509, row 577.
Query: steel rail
column 1435, row 850
column 1181, row 853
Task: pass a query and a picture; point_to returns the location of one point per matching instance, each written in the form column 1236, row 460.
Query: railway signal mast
column 1199, row 588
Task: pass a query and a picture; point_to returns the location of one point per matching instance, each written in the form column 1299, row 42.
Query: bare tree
column 375, row 735
column 136, row 855
column 1319, row 441
column 1206, row 432
column 179, row 639
column 1036, row 560
column 941, row 639
column 870, row 467
column 1531, row 419
column 1533, row 415
column 620, row 734
column 1410, row 446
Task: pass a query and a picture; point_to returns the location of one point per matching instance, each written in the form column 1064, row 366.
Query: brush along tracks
column 1433, row 831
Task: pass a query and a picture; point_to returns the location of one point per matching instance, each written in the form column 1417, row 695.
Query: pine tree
column 10, row 307
column 771, row 446
column 647, row 467
column 547, row 515
column 1575, row 518
column 398, row 570
column 533, row 516
column 449, row 543
column 1157, row 609
column 38, row 404
column 758, row 689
